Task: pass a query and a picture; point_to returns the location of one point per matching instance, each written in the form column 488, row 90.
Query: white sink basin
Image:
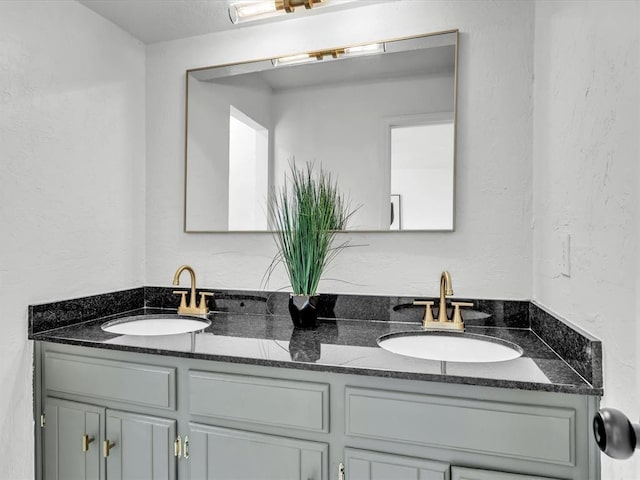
column 153, row 325
column 450, row 346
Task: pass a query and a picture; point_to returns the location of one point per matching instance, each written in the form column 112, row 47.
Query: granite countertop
column 246, row 329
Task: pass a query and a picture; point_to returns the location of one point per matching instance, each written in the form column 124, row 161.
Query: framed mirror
column 381, row 118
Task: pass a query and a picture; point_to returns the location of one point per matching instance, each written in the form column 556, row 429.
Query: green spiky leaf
column 306, row 215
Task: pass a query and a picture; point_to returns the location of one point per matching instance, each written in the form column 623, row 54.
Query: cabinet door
column 462, row 473
column 64, row 455
column 143, row 447
column 224, row 454
column 366, row 465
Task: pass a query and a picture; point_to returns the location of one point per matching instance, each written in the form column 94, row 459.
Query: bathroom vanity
column 252, row 398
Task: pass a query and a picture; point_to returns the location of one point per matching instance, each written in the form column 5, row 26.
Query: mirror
column 379, row 117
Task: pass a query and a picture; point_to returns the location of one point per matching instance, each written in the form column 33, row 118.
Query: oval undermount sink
column 153, row 325
column 450, row 346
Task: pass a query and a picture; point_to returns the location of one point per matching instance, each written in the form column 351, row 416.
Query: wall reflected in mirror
column 381, row 120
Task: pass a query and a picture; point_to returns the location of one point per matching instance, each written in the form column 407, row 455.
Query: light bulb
column 252, row 9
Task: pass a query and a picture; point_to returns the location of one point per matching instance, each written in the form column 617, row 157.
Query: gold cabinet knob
column 86, row 440
column 186, row 447
column 177, row 447
column 107, row 445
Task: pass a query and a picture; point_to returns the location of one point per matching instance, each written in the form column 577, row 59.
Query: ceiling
column 153, row 21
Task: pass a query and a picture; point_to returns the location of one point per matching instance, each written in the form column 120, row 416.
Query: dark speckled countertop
column 254, row 328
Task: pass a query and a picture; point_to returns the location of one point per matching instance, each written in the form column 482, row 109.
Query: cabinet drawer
column 224, row 453
column 535, row 433
column 265, row 401
column 461, row 473
column 132, row 383
column 365, row 465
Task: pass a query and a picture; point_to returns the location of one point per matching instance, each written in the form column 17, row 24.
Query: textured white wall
column 586, row 179
column 489, row 254
column 72, row 181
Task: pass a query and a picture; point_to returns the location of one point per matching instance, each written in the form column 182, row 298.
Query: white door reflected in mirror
column 422, row 174
column 248, row 173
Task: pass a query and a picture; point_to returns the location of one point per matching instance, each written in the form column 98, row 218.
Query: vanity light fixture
column 247, row 10
column 359, row 50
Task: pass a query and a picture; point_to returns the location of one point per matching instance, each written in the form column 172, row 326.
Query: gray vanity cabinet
column 229, row 454
column 268, row 423
column 67, row 423
column 460, row 473
column 143, row 447
column 365, row 465
column 140, row 446
column 143, row 439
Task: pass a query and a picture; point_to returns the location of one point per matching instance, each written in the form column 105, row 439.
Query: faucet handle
column 203, row 300
column 183, row 298
column 457, row 317
column 428, row 314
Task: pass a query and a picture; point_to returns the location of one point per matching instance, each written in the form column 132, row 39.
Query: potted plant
column 306, row 214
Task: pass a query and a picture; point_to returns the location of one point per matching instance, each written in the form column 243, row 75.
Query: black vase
column 303, row 310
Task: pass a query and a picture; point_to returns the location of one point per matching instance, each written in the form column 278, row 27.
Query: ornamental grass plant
column 307, row 212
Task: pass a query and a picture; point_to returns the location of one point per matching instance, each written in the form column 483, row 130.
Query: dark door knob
column 615, row 435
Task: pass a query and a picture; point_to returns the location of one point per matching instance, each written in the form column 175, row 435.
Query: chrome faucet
column 191, row 309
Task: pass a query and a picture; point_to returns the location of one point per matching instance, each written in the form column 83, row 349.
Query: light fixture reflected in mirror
column 370, row 49
column 247, row 10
